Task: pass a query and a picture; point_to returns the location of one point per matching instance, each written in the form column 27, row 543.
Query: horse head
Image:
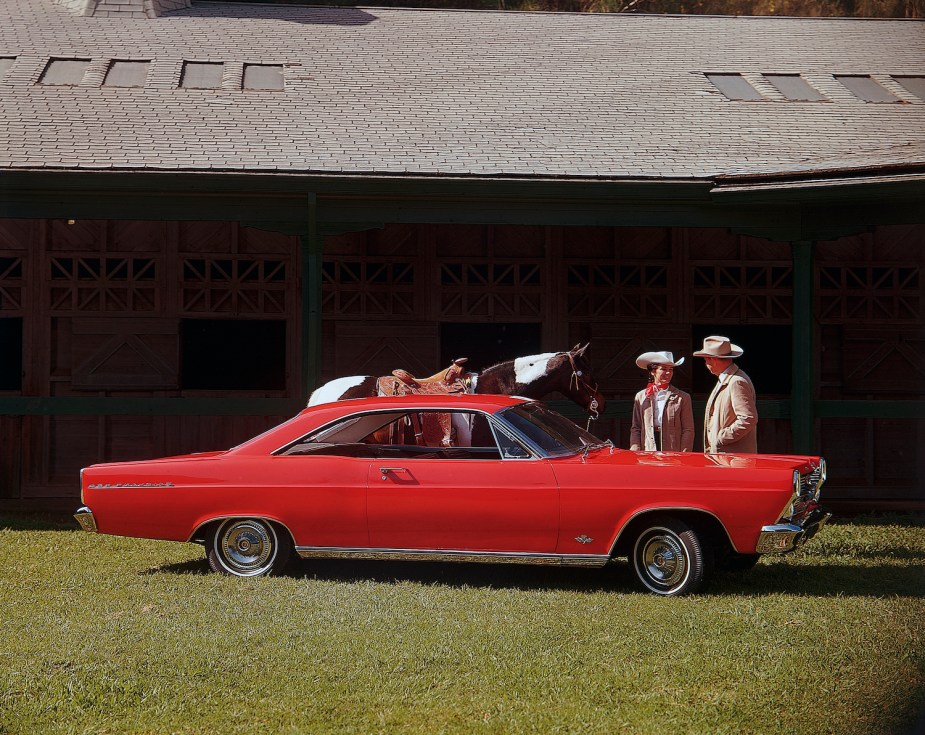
column 536, row 376
column 582, row 386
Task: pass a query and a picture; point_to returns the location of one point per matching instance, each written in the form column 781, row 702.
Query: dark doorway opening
column 232, row 354
column 767, row 357
column 11, row 353
column 486, row 344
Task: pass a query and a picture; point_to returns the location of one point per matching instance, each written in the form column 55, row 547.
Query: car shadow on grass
column 51, row 521
column 614, row 577
column 192, row 567
column 822, row 580
column 825, row 580
column 509, row 576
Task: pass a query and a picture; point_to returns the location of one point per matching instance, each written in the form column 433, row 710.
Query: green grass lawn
column 111, row 635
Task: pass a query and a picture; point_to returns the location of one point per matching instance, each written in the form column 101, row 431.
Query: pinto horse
column 534, row 376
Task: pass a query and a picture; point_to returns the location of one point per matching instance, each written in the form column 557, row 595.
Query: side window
column 439, row 434
column 346, row 438
column 510, row 448
column 436, row 430
column 399, row 430
column 411, row 435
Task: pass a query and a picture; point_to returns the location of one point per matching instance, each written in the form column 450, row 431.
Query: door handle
column 386, row 470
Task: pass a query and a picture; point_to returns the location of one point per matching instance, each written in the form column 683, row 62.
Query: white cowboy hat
column 657, row 358
column 719, row 347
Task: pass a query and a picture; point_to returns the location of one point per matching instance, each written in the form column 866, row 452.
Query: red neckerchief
column 653, row 388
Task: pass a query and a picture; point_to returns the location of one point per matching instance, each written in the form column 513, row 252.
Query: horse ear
column 576, row 348
column 579, row 350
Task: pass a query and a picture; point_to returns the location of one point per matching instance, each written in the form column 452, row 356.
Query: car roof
column 458, row 401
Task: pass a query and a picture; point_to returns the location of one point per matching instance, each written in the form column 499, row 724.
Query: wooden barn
column 209, row 208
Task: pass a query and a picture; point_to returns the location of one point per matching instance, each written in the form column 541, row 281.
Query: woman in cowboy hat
column 731, row 418
column 663, row 419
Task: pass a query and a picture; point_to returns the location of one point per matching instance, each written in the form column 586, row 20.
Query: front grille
column 810, row 481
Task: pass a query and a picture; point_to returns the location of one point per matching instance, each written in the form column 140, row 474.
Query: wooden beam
column 146, row 406
column 311, row 282
column 804, row 359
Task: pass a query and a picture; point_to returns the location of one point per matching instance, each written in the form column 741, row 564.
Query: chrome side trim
column 491, row 557
column 84, row 516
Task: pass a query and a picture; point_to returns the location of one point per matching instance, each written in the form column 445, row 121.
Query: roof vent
column 123, row 8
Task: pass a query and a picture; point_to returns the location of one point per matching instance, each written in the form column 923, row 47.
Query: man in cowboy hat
column 663, row 418
column 731, row 419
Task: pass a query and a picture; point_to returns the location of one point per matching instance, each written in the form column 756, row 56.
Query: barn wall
column 101, row 306
column 387, row 292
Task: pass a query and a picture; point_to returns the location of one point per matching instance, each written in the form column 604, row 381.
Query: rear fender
column 204, row 527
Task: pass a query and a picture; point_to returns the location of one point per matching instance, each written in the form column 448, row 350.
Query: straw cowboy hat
column 657, row 358
column 719, row 347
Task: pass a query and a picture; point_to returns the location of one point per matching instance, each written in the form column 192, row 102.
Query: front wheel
column 248, row 547
column 669, row 558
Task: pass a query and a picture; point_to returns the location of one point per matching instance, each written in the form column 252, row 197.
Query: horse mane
column 505, row 363
column 496, row 366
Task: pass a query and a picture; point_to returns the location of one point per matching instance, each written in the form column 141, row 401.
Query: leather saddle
column 453, row 379
column 430, row 429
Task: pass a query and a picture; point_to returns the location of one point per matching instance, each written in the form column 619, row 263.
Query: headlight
column 822, row 471
column 789, row 509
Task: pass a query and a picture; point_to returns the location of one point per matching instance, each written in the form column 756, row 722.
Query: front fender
column 627, row 530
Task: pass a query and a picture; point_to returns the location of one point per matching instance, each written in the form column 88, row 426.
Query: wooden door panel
column 377, row 349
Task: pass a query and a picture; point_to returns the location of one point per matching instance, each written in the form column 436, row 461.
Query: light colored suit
column 731, row 419
column 677, row 433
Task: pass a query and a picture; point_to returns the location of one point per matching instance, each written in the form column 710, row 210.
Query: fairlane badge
column 583, row 539
column 107, row 485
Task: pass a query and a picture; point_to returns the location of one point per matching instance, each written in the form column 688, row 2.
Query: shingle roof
column 458, row 93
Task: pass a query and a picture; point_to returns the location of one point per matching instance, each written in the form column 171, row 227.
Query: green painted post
column 802, row 418
column 312, row 249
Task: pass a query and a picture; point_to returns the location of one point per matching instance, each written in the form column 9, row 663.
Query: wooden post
column 802, row 417
column 312, row 251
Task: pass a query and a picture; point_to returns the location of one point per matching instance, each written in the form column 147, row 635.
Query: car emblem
column 108, row 485
column 584, row 539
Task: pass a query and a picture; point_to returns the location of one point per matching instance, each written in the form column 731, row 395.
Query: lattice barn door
column 16, row 310
column 871, row 308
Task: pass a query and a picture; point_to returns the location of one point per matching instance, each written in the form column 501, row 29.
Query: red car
column 463, row 478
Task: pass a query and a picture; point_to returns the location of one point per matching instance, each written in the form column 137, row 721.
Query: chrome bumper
column 86, row 520
column 783, row 537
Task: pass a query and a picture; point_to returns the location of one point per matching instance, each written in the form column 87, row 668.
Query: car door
column 463, row 503
column 321, row 498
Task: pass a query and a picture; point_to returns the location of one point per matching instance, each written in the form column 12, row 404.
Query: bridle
column 578, row 381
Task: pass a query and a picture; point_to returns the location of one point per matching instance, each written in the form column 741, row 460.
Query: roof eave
column 830, row 183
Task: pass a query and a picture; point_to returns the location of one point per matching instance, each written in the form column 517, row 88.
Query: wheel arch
column 206, row 527
column 702, row 520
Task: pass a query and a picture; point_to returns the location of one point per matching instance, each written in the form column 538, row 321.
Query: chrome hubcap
column 663, row 560
column 247, row 547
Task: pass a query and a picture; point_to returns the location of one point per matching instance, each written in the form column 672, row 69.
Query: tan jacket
column 677, row 433
column 730, row 422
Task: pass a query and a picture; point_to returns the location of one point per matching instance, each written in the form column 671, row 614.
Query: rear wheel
column 670, row 558
column 248, row 547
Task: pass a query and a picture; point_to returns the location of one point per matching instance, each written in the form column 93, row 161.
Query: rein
column 578, row 381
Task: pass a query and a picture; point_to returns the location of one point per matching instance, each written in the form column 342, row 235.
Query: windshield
column 551, row 432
